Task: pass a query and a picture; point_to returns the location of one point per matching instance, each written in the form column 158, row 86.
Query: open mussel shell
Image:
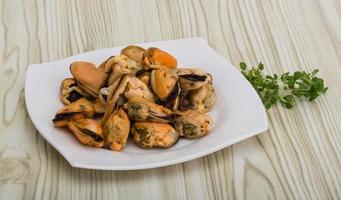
column 192, row 78
column 99, row 107
column 79, row 109
column 116, row 130
column 87, row 131
column 203, row 98
column 117, row 66
column 70, row 92
column 155, row 58
column 89, row 78
column 144, row 76
column 193, row 124
column 182, row 103
column 103, row 95
column 171, row 100
column 164, row 83
column 139, row 109
column 133, row 52
column 125, row 88
column 154, row 135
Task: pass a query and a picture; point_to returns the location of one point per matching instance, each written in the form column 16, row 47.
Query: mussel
column 70, row 92
column 98, row 106
column 103, row 95
column 89, row 78
column 87, row 131
column 155, row 58
column 133, row 52
column 154, row 135
column 140, row 109
column 193, row 124
column 120, row 65
column 116, row 130
column 144, row 76
column 124, row 89
column 164, row 83
column 192, row 78
column 140, row 93
column 203, row 98
column 79, row 109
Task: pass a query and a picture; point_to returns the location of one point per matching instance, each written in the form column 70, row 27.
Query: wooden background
column 298, row 158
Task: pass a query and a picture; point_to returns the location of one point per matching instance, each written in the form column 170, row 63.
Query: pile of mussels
column 140, row 93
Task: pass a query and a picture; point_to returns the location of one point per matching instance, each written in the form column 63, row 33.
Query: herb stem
column 284, row 88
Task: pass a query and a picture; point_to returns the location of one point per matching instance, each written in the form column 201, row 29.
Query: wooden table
column 298, row 158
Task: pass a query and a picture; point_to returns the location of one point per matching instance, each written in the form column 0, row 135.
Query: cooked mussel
column 125, row 88
column 87, row 131
column 89, row 78
column 154, row 135
column 133, row 52
column 116, row 130
column 103, row 94
column 164, row 83
column 117, row 66
column 140, row 109
column 139, row 92
column 144, row 76
column 155, row 58
column 203, row 98
column 182, row 103
column 70, row 92
column 98, row 106
column 193, row 78
column 193, row 124
column 81, row 108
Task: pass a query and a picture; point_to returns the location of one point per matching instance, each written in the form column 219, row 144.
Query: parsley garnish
column 284, row 88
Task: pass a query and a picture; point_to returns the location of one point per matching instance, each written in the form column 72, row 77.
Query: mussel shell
column 192, row 81
column 89, row 78
column 139, row 109
column 133, row 52
column 116, row 130
column 73, row 96
column 81, row 108
column 154, row 135
column 164, row 83
column 142, row 71
column 87, row 131
column 194, row 77
column 155, row 58
column 171, row 97
column 184, row 103
column 70, row 92
column 118, row 66
column 202, row 99
column 92, row 134
column 193, row 124
column 64, row 116
column 127, row 87
column 144, row 76
column 99, row 107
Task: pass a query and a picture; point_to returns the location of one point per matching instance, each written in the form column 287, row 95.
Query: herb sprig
column 283, row 88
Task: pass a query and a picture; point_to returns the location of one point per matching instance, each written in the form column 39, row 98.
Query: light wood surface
column 298, row 158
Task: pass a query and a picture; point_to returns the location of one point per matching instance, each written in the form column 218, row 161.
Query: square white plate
column 237, row 115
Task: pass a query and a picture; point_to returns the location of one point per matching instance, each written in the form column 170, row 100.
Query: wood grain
column 298, row 158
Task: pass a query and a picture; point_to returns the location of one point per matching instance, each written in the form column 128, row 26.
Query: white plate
column 237, row 115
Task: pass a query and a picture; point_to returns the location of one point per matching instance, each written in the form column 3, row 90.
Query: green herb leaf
column 283, row 88
column 242, row 66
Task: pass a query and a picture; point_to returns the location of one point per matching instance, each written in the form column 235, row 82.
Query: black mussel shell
column 194, row 77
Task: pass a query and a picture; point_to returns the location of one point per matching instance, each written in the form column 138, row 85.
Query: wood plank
column 298, row 158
